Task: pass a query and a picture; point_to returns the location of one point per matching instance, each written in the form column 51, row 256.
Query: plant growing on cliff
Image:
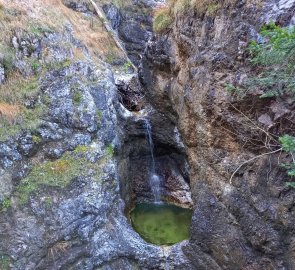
column 162, row 20
column 6, row 203
column 58, row 173
column 165, row 16
column 275, row 61
column 288, row 145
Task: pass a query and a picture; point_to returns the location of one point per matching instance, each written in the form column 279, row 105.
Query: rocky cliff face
column 73, row 159
column 246, row 222
column 59, row 185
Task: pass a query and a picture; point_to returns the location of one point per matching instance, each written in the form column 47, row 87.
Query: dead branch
column 247, row 161
column 269, row 135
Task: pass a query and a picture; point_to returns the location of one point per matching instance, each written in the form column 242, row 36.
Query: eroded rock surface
column 245, row 223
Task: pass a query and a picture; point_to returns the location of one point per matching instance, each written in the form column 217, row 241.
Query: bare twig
column 255, row 124
column 247, row 161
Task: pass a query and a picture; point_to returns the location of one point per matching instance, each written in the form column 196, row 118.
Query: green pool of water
column 161, row 224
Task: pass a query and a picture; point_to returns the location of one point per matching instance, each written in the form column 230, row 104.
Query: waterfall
column 154, row 179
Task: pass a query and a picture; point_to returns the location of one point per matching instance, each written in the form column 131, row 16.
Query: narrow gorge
column 144, row 134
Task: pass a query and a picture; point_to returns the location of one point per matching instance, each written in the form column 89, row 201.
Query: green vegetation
column 99, row 115
column 213, row 8
column 36, row 139
column 56, row 65
column 233, row 90
column 60, row 173
column 14, row 116
column 57, row 173
column 111, row 56
column 110, row 150
column 48, row 202
column 127, row 66
column 276, row 62
column 7, row 61
column 4, row 262
column 27, row 119
column 17, row 90
column 80, row 149
column 35, row 65
column 6, row 203
column 39, row 29
column 288, row 145
column 77, row 97
column 162, row 20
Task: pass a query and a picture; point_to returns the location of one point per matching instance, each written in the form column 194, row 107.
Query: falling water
column 154, row 179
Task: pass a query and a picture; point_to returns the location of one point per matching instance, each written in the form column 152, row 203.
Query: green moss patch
column 59, row 173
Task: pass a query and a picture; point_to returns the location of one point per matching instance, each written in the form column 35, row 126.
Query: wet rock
column 2, row 74
column 9, row 154
column 79, row 139
column 25, row 145
column 134, row 25
column 79, row 6
column 113, row 15
column 5, row 185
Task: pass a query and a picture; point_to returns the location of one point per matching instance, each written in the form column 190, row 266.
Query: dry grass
column 9, row 112
column 57, row 248
column 53, row 14
column 17, row 89
column 165, row 15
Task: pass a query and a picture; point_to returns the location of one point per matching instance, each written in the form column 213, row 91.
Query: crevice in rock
column 130, row 97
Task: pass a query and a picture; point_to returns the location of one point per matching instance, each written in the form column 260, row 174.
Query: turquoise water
column 161, row 224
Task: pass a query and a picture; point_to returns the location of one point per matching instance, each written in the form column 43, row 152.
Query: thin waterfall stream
column 154, row 179
column 158, row 221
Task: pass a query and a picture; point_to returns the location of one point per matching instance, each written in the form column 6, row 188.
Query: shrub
column 6, row 203
column 77, row 97
column 8, row 59
column 288, row 145
column 110, row 150
column 275, row 59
